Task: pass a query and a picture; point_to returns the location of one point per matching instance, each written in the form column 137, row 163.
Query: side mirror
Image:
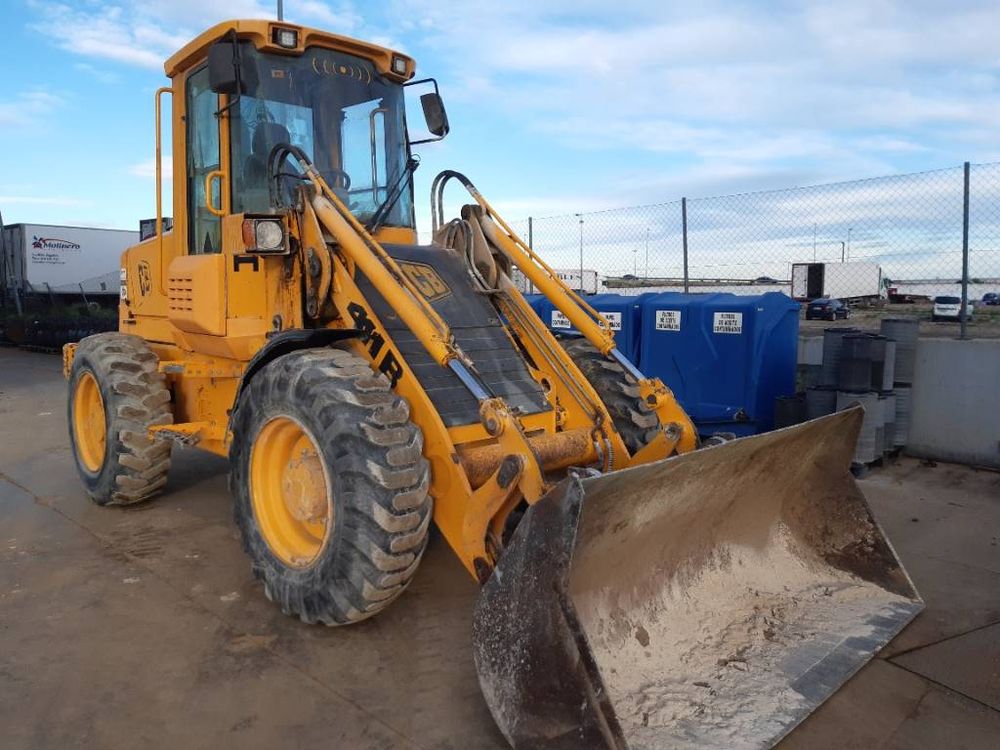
column 435, row 118
column 223, row 70
column 434, row 114
column 227, row 73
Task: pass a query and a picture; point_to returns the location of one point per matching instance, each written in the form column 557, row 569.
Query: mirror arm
column 222, row 110
column 231, row 36
column 434, row 82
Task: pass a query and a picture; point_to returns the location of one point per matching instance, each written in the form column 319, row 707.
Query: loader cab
column 248, row 86
column 237, row 91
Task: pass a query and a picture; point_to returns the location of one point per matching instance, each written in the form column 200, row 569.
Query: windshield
column 947, row 300
column 335, row 107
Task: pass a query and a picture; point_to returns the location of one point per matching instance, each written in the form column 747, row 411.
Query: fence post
column 965, row 255
column 684, row 235
column 531, row 233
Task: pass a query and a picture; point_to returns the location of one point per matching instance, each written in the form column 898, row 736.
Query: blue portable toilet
column 726, row 357
column 535, row 302
column 624, row 313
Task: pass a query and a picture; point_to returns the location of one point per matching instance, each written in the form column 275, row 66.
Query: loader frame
column 214, row 320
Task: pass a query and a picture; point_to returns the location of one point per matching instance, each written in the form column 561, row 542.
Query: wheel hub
column 290, row 492
column 89, row 419
column 304, row 488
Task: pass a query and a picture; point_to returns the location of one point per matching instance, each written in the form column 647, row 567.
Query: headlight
column 264, row 235
column 399, row 65
column 269, row 234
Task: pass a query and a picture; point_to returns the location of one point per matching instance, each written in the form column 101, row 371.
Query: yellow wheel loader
column 637, row 590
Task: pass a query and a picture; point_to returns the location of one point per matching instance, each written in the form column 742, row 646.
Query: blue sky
column 555, row 107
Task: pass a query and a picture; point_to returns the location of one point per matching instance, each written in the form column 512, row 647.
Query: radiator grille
column 180, row 294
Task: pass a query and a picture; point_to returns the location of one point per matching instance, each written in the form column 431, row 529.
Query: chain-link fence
column 883, row 246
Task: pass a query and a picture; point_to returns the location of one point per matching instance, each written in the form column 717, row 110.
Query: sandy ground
column 142, row 627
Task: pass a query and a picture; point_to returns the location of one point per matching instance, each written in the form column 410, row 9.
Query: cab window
column 202, row 132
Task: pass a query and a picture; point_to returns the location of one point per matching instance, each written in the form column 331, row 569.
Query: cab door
column 196, row 278
column 202, row 129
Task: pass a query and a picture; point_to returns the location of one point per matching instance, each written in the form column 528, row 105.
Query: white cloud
column 29, row 108
column 716, row 81
column 104, row 76
column 104, row 32
column 144, row 33
column 342, row 20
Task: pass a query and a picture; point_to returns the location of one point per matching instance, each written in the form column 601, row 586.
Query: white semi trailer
column 61, row 260
column 592, row 281
column 855, row 281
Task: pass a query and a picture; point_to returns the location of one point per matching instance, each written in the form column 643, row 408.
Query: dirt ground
column 142, row 627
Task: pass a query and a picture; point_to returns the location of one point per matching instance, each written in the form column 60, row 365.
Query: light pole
column 814, row 242
column 849, row 230
column 842, row 246
column 580, row 217
column 647, row 252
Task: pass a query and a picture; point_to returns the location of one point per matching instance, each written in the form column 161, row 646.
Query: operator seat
column 255, row 189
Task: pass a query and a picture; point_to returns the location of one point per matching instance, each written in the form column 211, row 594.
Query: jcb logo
column 145, row 279
column 425, row 279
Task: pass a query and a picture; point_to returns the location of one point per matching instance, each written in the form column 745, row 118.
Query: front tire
column 330, row 487
column 116, row 393
column 633, row 419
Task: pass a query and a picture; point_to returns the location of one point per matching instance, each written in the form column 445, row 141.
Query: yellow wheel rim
column 290, row 492
column 89, row 422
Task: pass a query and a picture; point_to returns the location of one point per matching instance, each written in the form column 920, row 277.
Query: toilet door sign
column 727, row 322
column 668, row 320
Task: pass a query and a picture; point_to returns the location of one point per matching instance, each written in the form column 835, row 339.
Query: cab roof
column 260, row 32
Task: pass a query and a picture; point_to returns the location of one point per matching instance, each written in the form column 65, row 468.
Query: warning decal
column 614, row 320
column 559, row 320
column 727, row 322
column 668, row 320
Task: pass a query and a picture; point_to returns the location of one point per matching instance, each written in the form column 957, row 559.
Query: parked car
column 991, row 298
column 827, row 309
column 950, row 308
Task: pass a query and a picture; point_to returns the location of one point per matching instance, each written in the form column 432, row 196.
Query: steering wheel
column 336, row 174
column 277, row 177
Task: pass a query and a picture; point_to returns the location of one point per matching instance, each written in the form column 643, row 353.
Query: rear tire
column 360, row 540
column 633, row 419
column 116, row 393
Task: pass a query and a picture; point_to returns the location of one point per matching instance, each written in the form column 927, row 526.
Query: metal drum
column 889, row 410
column 888, row 366
column 904, row 331
column 832, row 343
column 904, row 397
column 789, row 410
column 820, row 401
column 868, row 448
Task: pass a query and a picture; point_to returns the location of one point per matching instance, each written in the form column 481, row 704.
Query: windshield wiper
column 382, row 212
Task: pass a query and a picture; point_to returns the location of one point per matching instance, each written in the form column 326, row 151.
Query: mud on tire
column 135, row 397
column 635, row 421
column 372, row 455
